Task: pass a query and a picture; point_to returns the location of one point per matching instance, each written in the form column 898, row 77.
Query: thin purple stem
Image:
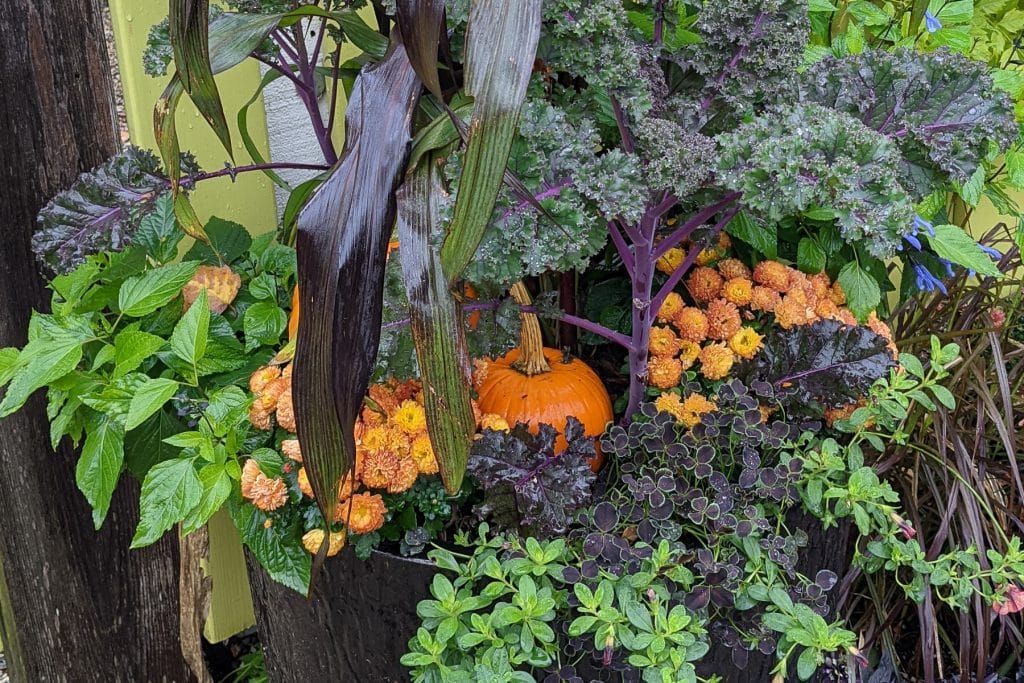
column 287, row 73
column 665, row 204
column 620, row 121
column 631, row 230
column 334, row 90
column 755, row 34
column 642, row 311
column 679, row 272
column 621, row 247
column 308, row 95
column 281, row 38
column 547, row 193
column 698, row 219
column 659, row 21
column 234, row 170
column 319, row 43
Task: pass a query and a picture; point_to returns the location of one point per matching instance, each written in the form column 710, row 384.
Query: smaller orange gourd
column 535, row 385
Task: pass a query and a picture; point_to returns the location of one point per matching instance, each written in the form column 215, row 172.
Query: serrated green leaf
column 228, row 241
column 99, row 466
column 953, row 244
column 132, row 347
column 188, row 341
column 862, row 291
column 263, row 323
column 41, row 362
column 216, row 486
column 810, row 257
column 143, row 294
column 149, row 398
column 158, row 231
column 170, row 491
column 8, row 363
column 763, row 238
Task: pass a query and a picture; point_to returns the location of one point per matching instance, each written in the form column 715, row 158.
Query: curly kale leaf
column 100, row 211
column 940, row 108
column 804, row 156
column 826, row 363
column 526, row 485
column 746, row 58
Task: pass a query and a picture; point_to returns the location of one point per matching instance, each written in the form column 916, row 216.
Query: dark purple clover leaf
column 526, row 486
column 827, row 362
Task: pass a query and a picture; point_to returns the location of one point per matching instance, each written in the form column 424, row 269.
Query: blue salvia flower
column 994, row 253
column 948, row 265
column 922, row 224
column 927, row 282
column 912, row 241
column 931, row 22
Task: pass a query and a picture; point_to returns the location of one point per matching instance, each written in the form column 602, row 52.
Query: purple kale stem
column 642, row 311
column 546, row 193
column 698, row 219
column 307, row 93
column 659, row 21
column 233, row 170
column 667, row 202
column 621, row 247
column 620, row 121
column 679, row 272
column 755, row 34
column 281, row 38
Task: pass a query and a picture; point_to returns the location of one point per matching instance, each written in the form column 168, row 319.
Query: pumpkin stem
column 531, row 359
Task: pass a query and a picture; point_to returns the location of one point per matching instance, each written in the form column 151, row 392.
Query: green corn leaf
column 437, row 328
column 342, row 243
column 501, row 44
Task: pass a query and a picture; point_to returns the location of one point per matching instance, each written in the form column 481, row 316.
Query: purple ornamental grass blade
column 342, row 243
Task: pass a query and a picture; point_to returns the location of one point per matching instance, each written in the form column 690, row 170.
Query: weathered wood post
column 75, row 605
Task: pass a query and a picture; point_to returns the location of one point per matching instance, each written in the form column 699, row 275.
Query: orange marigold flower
column 693, row 407
column 664, row 373
column 724, row 241
column 663, row 342
column 820, row 284
column 265, row 493
column 410, row 417
column 384, row 396
column 313, row 539
column 688, row 352
column 847, row 317
column 826, row 309
column 398, row 441
column 704, row 284
column 738, row 290
column 723, row 319
column 407, row 389
column 379, row 468
column 494, row 422
column 262, row 377
column 286, row 412
column 302, row 478
column 362, row 513
column 692, row 324
column 671, row 307
column 837, row 294
column 707, row 256
column 716, row 360
column 732, row 268
column 405, row 476
column 375, row 439
column 291, row 449
column 745, row 343
column 793, row 311
column 261, row 419
column 670, row 260
column 370, row 417
column 271, row 393
column 772, row 274
column 670, row 403
column 422, row 453
column 764, row 299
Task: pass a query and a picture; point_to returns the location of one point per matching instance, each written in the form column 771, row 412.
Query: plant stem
column 234, row 170
column 755, row 34
column 621, row 247
column 698, row 219
column 642, row 311
column 307, row 93
column 620, row 121
column 690, row 259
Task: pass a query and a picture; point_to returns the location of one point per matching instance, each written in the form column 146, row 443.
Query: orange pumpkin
column 534, row 385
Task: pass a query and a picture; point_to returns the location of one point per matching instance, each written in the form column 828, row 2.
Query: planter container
column 354, row 628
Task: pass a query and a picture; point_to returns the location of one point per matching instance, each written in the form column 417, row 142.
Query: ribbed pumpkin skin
column 569, row 389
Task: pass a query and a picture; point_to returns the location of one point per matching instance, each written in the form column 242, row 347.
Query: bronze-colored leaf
column 342, row 243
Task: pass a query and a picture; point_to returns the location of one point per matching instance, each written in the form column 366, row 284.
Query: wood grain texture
column 354, row 628
column 77, row 606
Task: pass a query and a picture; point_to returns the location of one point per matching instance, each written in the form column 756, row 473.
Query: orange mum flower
column 693, row 407
column 724, row 241
column 772, row 274
column 820, row 284
column 847, row 317
column 826, row 309
column 688, row 352
column 745, row 343
column 410, row 417
column 303, row 480
column 692, row 324
column 362, row 513
column 707, row 256
column 286, row 411
column 384, row 396
column 345, row 487
column 766, row 412
column 732, row 268
column 379, row 468
column 738, row 290
column 794, row 310
column 262, row 377
column 723, row 319
column 876, row 325
column 670, row 308
column 664, row 373
column 271, row 393
column 764, row 299
column 261, row 419
column 716, row 360
column 704, row 284
column 833, row 415
column 265, row 493
column 291, row 449
column 663, row 342
column 313, row 539
column 405, row 476
column 375, row 439
column 836, row 294
column 670, row 403
column 422, row 453
column 370, row 417
column 671, row 260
